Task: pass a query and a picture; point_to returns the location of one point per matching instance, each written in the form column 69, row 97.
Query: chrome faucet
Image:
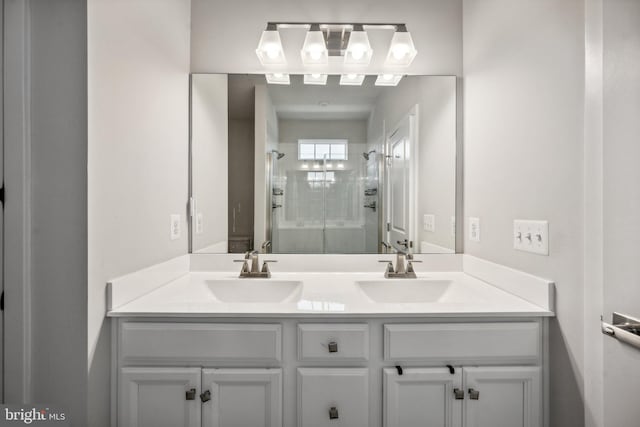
column 403, row 269
column 251, row 266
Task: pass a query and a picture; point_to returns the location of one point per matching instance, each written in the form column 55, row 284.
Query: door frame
column 17, row 212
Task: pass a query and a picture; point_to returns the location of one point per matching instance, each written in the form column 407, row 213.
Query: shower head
column 366, row 155
column 277, row 153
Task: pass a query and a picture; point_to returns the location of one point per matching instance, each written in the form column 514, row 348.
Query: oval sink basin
column 255, row 290
column 404, row 290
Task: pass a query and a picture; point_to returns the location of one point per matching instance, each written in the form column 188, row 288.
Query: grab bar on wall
column 623, row 328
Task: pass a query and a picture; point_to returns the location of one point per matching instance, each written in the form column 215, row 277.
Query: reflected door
column 400, row 186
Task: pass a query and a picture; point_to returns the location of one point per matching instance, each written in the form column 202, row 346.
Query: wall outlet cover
column 429, row 222
column 474, row 229
column 531, row 236
column 175, row 227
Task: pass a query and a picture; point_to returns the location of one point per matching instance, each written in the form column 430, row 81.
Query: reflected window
column 319, row 149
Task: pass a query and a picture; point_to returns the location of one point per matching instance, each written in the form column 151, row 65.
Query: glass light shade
column 388, row 79
column 315, row 79
column 269, row 49
column 402, row 51
column 277, row 78
column 359, row 50
column 352, row 79
column 314, row 50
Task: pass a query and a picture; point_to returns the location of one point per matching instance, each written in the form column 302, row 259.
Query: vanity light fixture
column 277, row 78
column 358, row 50
column 352, row 79
column 316, row 165
column 388, row 79
column 315, row 79
column 402, row 50
column 314, row 50
column 270, row 51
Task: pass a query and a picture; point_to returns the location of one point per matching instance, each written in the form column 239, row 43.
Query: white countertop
column 329, row 294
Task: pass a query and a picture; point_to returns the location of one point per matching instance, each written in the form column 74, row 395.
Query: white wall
column 621, row 201
column 523, row 130
column 209, row 156
column 436, row 100
column 138, row 78
column 436, row 27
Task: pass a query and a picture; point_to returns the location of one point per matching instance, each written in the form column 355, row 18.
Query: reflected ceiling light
column 340, row 165
column 277, row 78
column 269, row 49
column 351, row 79
column 315, row 79
column 305, row 165
column 388, row 79
column 314, row 50
column 359, row 50
column 402, row 50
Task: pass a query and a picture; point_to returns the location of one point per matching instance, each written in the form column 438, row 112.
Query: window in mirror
column 317, row 149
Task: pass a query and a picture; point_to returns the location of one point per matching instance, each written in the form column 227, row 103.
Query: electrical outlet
column 453, row 226
column 175, row 227
column 474, row 229
column 531, row 236
column 429, row 221
column 199, row 224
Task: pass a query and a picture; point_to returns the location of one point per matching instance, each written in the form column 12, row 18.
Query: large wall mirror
column 332, row 168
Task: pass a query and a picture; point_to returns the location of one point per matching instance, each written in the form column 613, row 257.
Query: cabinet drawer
column 201, row 342
column 513, row 342
column 325, row 342
column 333, row 397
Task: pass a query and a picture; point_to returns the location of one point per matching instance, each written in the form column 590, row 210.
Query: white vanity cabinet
column 470, row 397
column 329, row 372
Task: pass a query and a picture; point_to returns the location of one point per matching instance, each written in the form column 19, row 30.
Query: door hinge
column 2, row 301
column 388, row 226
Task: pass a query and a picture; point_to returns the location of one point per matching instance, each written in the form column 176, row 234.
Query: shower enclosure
column 323, row 205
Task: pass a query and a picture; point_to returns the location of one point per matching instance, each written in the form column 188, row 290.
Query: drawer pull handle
column 333, row 347
column 474, row 394
column 191, row 394
column 459, row 394
column 206, row 396
column 333, row 413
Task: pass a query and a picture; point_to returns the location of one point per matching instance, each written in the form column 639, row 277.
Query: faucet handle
column 265, row 267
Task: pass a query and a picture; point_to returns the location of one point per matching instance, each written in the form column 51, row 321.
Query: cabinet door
column 242, row 398
column 333, row 397
column 422, row 397
column 157, row 397
column 506, row 397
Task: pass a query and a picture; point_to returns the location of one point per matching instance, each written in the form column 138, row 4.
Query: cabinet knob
column 333, row 413
column 474, row 394
column 333, row 347
column 206, row 396
column 191, row 394
column 459, row 394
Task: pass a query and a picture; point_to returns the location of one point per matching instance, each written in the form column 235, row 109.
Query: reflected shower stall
column 324, row 199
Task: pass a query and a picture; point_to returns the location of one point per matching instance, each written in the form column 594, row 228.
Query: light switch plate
column 531, row 236
column 199, row 223
column 175, row 227
column 429, row 221
column 474, row 229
